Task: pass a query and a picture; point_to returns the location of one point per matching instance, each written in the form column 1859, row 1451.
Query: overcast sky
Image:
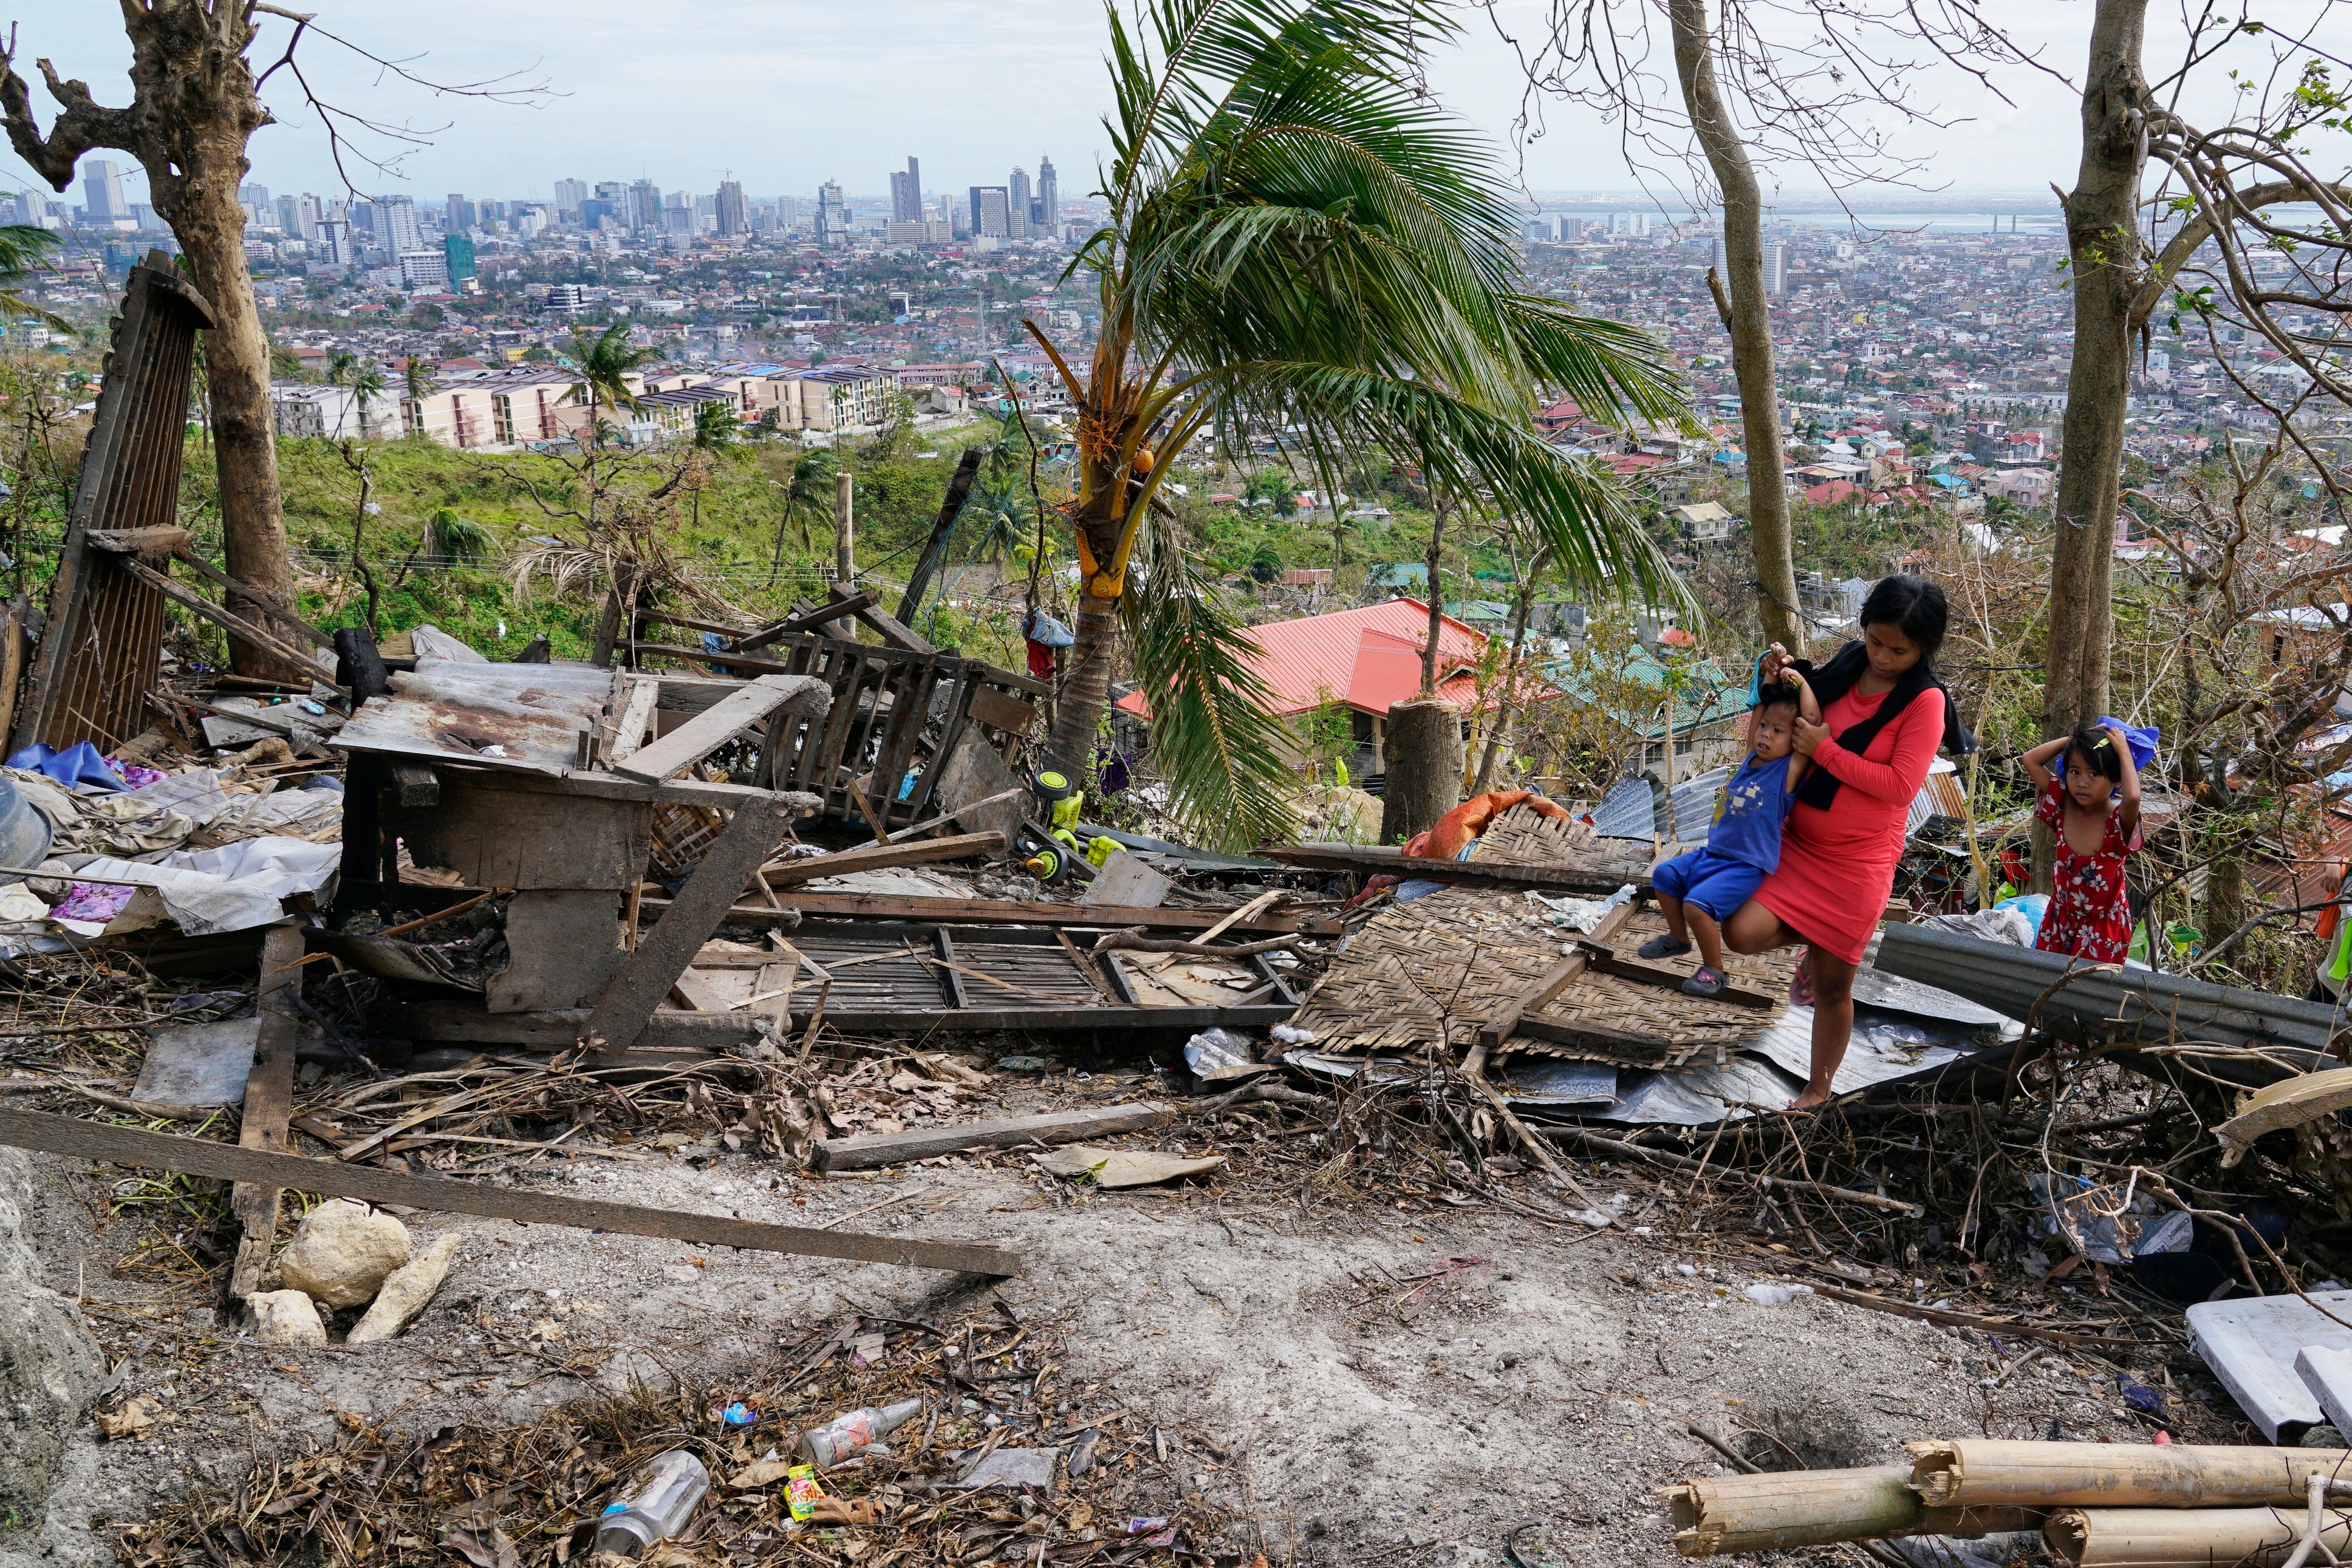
column 786, row 93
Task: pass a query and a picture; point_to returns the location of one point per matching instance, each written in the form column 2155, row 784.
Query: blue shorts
column 1715, row 882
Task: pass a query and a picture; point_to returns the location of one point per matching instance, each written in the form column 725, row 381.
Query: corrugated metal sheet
column 1628, row 811
column 1637, row 809
column 2131, row 1004
column 528, row 717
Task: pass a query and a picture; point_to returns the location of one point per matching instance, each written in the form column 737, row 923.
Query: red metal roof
column 1369, row 658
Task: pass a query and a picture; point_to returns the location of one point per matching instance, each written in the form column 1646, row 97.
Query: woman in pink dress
column 1884, row 716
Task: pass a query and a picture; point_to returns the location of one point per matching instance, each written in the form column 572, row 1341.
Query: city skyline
column 599, row 58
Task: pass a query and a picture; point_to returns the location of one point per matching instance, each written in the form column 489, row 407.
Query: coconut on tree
column 1300, row 239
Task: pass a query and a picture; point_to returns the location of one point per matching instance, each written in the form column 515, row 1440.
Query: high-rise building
column 1049, row 198
column 1776, row 269
column 253, row 195
column 832, row 215
column 457, row 254
column 988, row 212
column 734, row 218
column 101, row 184
column 459, row 215
column 593, row 212
column 397, row 229
column 788, row 213
column 422, row 269
column 569, row 194
column 335, row 236
column 614, row 194
column 645, row 205
column 906, row 194
column 1017, row 199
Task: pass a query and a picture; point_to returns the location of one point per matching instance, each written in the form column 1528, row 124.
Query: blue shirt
column 1748, row 824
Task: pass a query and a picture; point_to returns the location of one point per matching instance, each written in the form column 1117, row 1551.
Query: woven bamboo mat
column 1519, row 837
column 1427, row 974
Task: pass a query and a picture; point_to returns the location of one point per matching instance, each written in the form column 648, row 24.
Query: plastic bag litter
column 1290, row 1034
column 1580, row 914
column 1765, row 1294
column 1214, row 1048
column 2095, row 1221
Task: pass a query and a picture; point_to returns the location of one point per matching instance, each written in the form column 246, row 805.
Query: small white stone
column 286, row 1318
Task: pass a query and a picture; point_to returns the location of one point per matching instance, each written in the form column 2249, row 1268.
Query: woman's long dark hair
column 1913, row 606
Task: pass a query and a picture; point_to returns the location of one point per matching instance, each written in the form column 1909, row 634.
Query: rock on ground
column 342, row 1254
column 50, row 1367
column 286, row 1318
column 406, row 1291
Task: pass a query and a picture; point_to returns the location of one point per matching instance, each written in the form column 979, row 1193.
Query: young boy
column 1697, row 892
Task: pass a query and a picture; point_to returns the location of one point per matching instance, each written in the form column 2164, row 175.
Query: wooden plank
column 620, row 1014
column 234, row 624
column 891, row 631
column 268, row 1104
column 246, row 591
column 1372, row 860
column 563, row 947
column 414, row 783
column 870, row 1150
column 710, row 1033
column 994, row 709
column 697, row 992
column 876, row 857
column 496, row 836
column 1010, row 911
column 1607, row 960
column 637, row 716
column 116, row 1145
column 1506, row 1022
column 1126, row 882
column 805, row 622
column 705, row 733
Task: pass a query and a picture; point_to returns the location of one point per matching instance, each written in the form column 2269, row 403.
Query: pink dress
column 2088, row 914
column 1837, row 866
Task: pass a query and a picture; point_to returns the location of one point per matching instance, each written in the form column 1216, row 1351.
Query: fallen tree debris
column 867, row 1153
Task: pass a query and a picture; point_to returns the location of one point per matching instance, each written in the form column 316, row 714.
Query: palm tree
column 23, row 251
column 809, row 491
column 367, row 387
column 604, row 364
column 1298, row 236
column 998, row 519
column 716, row 423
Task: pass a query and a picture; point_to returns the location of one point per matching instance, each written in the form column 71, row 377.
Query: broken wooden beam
column 620, row 1014
column 1007, row 912
column 116, row 1145
column 1538, row 996
column 1372, row 859
column 805, row 622
column 268, row 1104
column 1765, row 1183
column 1606, row 960
column 717, row 725
column 867, row 1151
column 560, row 1029
column 879, row 857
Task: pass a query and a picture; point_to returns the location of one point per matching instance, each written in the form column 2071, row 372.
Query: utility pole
column 844, row 545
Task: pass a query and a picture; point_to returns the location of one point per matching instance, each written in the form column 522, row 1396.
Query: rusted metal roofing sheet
column 535, row 718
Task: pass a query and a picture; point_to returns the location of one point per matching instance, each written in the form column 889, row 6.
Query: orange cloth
column 1470, row 819
column 1837, row 866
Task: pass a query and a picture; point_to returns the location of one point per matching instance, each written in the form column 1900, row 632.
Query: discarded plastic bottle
column 830, row 1444
column 658, row 1508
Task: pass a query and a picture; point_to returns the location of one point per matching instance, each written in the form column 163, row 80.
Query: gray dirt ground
column 1555, row 1383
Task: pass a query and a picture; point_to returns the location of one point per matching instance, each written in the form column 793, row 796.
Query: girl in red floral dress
column 2093, row 810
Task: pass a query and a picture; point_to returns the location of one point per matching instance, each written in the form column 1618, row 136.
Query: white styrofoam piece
column 2328, row 1373
column 2252, row 1344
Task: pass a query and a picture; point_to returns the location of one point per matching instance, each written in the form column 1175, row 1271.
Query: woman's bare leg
column 1832, row 1024
column 1753, row 928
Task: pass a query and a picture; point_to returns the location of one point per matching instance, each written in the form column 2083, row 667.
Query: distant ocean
column 1812, row 215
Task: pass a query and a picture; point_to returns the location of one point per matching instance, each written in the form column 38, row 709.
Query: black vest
column 1837, row 677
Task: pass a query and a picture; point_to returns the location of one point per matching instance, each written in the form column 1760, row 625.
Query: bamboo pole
column 2185, row 1538
column 1979, row 1473
column 1776, row 1511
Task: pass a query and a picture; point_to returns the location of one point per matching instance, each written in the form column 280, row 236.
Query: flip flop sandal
column 1706, row 982
column 1662, row 946
column 1801, row 984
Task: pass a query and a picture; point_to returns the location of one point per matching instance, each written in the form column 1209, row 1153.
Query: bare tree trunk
column 194, row 108
column 1746, row 318
column 2104, row 246
column 1086, row 686
column 1507, row 705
